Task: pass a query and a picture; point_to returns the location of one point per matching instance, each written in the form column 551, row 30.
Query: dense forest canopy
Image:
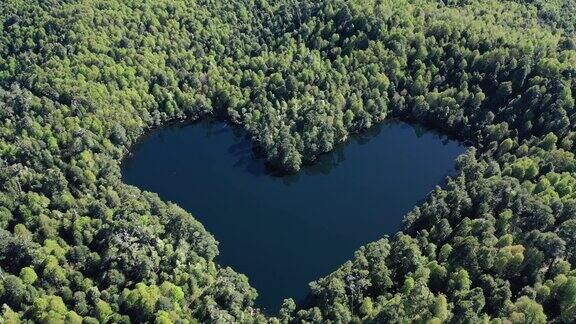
column 81, row 80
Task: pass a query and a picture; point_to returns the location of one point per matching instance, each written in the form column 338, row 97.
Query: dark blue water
column 283, row 232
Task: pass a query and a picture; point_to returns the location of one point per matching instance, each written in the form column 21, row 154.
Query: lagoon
column 285, row 231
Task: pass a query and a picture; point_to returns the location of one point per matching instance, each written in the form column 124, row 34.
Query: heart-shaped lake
column 284, row 232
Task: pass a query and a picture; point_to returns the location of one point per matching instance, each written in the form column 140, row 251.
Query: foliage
column 80, row 81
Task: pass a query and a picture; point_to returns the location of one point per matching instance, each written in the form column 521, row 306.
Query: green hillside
column 82, row 80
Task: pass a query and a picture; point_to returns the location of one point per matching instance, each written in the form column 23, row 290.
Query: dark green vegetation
column 285, row 231
column 81, row 80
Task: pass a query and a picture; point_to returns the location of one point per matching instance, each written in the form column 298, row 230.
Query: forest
column 82, row 80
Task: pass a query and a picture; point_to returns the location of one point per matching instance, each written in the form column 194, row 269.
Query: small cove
column 285, row 231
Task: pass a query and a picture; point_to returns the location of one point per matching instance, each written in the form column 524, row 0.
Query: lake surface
column 283, row 232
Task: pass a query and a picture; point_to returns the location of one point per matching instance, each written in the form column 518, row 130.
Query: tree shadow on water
column 249, row 158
